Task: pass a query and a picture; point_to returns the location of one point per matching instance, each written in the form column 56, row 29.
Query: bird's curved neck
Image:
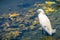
column 42, row 13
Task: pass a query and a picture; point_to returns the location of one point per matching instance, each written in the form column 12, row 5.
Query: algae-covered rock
column 50, row 2
column 32, row 27
column 15, row 33
column 13, row 14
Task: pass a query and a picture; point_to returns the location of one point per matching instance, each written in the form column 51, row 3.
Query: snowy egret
column 45, row 22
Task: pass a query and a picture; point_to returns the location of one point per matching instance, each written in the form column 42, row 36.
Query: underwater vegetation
column 23, row 24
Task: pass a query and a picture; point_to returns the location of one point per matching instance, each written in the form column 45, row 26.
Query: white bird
column 45, row 22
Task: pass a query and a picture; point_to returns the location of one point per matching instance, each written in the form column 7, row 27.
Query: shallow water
column 22, row 7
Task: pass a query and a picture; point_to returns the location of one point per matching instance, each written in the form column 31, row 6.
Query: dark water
column 15, row 5
column 7, row 6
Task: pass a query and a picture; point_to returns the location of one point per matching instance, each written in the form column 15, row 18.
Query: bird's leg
column 44, row 32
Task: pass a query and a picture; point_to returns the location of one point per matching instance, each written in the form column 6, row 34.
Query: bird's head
column 40, row 10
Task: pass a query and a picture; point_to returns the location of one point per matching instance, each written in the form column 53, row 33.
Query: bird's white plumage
column 45, row 22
